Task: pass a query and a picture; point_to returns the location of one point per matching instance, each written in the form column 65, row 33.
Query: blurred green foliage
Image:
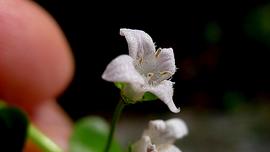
column 212, row 32
column 90, row 135
column 258, row 24
column 233, row 100
column 13, row 128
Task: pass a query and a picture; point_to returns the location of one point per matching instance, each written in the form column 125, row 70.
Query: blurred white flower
column 160, row 136
column 145, row 69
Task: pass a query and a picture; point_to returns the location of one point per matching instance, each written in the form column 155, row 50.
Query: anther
column 141, row 60
column 149, row 75
column 165, row 73
column 157, row 52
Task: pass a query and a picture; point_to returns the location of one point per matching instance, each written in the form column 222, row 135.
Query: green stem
column 119, row 108
column 42, row 141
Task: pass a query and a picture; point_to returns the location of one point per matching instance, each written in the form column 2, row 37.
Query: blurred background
column 221, row 50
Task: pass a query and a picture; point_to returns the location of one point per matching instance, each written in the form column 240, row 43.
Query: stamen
column 150, row 78
column 165, row 73
column 157, row 52
column 150, row 75
column 141, row 60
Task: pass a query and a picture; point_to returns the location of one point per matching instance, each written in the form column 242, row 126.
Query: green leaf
column 90, row 135
column 148, row 96
column 13, row 129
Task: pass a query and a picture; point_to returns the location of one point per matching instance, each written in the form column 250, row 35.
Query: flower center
column 148, row 67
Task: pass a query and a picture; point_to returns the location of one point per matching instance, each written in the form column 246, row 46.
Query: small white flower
column 160, row 136
column 145, row 69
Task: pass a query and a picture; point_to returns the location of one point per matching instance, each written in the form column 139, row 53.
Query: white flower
column 145, row 69
column 160, row 136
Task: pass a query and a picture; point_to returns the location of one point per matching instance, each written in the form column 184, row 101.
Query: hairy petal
column 156, row 130
column 160, row 136
column 166, row 132
column 176, row 128
column 121, row 69
column 140, row 44
column 166, row 61
column 164, row 91
column 144, row 145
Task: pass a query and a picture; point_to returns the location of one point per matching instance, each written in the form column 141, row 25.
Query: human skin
column 36, row 66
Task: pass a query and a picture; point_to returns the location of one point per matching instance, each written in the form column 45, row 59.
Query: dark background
column 221, row 50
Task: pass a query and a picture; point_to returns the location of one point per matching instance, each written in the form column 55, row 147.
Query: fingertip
column 35, row 60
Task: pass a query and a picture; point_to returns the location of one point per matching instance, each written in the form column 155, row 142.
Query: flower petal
column 164, row 91
column 156, row 131
column 168, row 148
column 121, row 69
column 140, row 44
column 144, row 145
column 166, row 132
column 176, row 128
column 166, row 61
column 134, row 92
